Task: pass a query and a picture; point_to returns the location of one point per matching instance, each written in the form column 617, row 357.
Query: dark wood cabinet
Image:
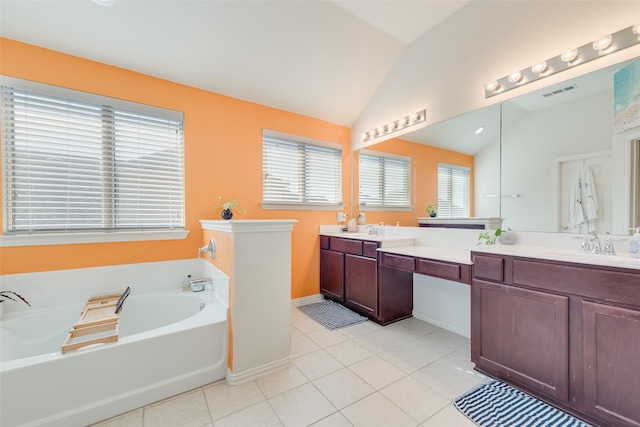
column 350, row 273
column 567, row 333
column 523, row 335
column 611, row 363
column 332, row 274
column 361, row 284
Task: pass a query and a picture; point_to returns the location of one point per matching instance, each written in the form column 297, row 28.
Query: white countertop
column 385, row 241
column 460, row 256
column 562, row 254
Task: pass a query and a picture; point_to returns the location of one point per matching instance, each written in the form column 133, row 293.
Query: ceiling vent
column 559, row 91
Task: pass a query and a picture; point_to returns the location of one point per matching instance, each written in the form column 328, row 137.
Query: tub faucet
column 210, row 249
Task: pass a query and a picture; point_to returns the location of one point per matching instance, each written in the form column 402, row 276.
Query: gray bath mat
column 331, row 315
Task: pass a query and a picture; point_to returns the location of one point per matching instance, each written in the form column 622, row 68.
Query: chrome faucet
column 591, row 244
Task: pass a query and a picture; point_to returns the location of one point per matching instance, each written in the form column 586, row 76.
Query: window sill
column 92, row 237
column 283, row 206
column 371, row 208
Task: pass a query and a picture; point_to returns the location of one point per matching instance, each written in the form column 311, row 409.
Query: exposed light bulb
column 516, row 77
column 493, row 87
column 413, row 117
column 541, row 68
column 479, row 130
column 602, row 43
column 403, row 121
column 570, row 56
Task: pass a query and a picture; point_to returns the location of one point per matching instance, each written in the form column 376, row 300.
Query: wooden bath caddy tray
column 99, row 316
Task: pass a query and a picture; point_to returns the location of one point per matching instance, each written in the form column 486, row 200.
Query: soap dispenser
column 634, row 244
column 186, row 284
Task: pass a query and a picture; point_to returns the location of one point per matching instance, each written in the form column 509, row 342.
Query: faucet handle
column 608, row 247
column 585, row 247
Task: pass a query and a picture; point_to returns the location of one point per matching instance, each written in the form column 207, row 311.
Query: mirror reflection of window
column 384, row 180
column 453, row 191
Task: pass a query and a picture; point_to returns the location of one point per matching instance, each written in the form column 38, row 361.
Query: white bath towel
column 589, row 198
column 576, row 215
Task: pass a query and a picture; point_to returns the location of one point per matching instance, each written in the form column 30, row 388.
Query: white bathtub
column 168, row 343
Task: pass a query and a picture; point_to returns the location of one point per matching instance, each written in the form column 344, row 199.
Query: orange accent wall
column 424, row 179
column 223, row 157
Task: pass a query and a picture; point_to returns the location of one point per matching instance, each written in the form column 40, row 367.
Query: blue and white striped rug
column 331, row 315
column 496, row 404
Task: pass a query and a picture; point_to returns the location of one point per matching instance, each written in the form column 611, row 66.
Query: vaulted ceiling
column 320, row 58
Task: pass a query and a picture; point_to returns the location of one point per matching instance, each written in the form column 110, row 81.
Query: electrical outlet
column 341, row 217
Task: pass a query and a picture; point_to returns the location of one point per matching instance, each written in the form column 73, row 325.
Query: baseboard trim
column 441, row 324
column 260, row 371
column 307, row 300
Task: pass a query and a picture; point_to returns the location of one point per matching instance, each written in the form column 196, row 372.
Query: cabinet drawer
column 324, row 242
column 440, row 269
column 398, row 261
column 370, row 249
column 488, row 267
column 346, row 246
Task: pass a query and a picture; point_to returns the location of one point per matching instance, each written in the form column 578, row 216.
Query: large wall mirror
column 534, row 150
column 564, row 166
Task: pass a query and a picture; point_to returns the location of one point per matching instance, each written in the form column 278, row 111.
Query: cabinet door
column 361, row 284
column 612, row 363
column 522, row 335
column 332, row 275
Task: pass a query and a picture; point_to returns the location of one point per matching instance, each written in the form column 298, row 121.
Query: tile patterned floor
column 405, row 374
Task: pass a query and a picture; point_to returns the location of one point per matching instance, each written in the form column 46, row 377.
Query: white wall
column 445, row 70
column 531, row 143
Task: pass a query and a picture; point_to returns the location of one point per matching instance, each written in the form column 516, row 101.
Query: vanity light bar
column 403, row 123
column 603, row 45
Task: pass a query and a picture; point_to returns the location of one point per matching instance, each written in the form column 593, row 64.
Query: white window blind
column 384, row 180
column 73, row 165
column 298, row 172
column 453, row 191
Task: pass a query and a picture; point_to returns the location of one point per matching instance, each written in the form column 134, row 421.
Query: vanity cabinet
column 350, row 273
column 567, row 333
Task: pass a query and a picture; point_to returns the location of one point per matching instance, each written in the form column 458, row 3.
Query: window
column 79, row 162
column 384, row 180
column 300, row 173
column 453, row 191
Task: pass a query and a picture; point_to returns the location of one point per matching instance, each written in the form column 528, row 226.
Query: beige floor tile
column 325, row 337
column 333, row 420
column 302, row 345
column 224, row 399
column 297, row 315
column 307, row 325
column 129, row 419
column 186, row 410
column 349, row 352
column 295, row 332
column 343, row 387
column 301, row 406
column 377, row 372
column 377, row 411
column 317, row 364
column 416, row 399
column 414, row 355
column 258, row 415
column 358, row 330
column 383, row 340
column 281, row 381
column 449, row 417
column 448, row 381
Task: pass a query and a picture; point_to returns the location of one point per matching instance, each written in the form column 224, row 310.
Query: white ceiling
column 320, row 58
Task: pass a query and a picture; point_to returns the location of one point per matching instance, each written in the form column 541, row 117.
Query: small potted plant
column 432, row 210
column 6, row 295
column 227, row 208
